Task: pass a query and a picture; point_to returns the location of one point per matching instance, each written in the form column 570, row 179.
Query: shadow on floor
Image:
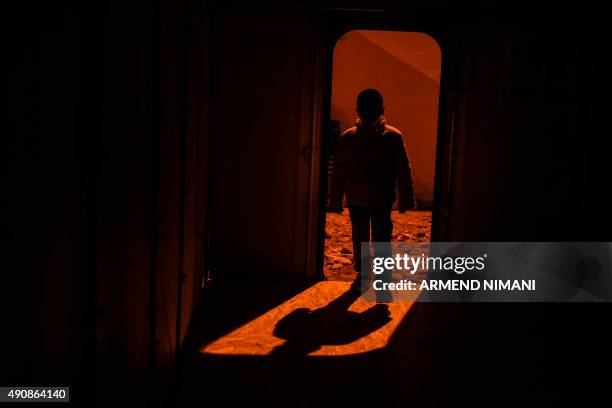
column 308, row 330
column 444, row 354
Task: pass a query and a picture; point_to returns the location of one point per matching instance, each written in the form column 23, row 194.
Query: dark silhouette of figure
column 371, row 168
column 307, row 330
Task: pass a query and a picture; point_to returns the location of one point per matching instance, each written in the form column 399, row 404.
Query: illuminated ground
column 306, row 345
column 323, row 320
column 413, row 226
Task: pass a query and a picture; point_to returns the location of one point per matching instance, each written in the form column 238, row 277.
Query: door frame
column 440, row 28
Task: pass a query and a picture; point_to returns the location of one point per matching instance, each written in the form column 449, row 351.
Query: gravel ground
column 412, row 226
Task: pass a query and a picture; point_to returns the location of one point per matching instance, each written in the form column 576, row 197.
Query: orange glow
column 258, row 336
column 405, row 67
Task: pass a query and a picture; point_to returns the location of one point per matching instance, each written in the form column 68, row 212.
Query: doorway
column 406, row 68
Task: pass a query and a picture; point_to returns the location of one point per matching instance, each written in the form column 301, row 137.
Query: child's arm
column 403, row 173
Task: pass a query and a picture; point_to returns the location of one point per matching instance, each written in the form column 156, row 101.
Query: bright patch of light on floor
column 257, row 337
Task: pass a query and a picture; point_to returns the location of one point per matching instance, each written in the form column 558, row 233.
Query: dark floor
column 444, row 354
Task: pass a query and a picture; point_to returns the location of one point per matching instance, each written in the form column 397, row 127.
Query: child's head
column 369, row 105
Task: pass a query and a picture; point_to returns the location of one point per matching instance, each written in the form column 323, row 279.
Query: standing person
column 370, row 165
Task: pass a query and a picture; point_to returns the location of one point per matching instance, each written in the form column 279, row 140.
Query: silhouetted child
column 370, row 165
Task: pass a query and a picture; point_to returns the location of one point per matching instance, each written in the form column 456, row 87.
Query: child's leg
column 360, row 229
column 382, row 229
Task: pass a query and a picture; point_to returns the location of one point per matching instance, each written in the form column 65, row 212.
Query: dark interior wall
column 121, row 183
column 265, row 145
column 106, row 169
column 152, row 191
column 39, row 198
column 526, row 94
